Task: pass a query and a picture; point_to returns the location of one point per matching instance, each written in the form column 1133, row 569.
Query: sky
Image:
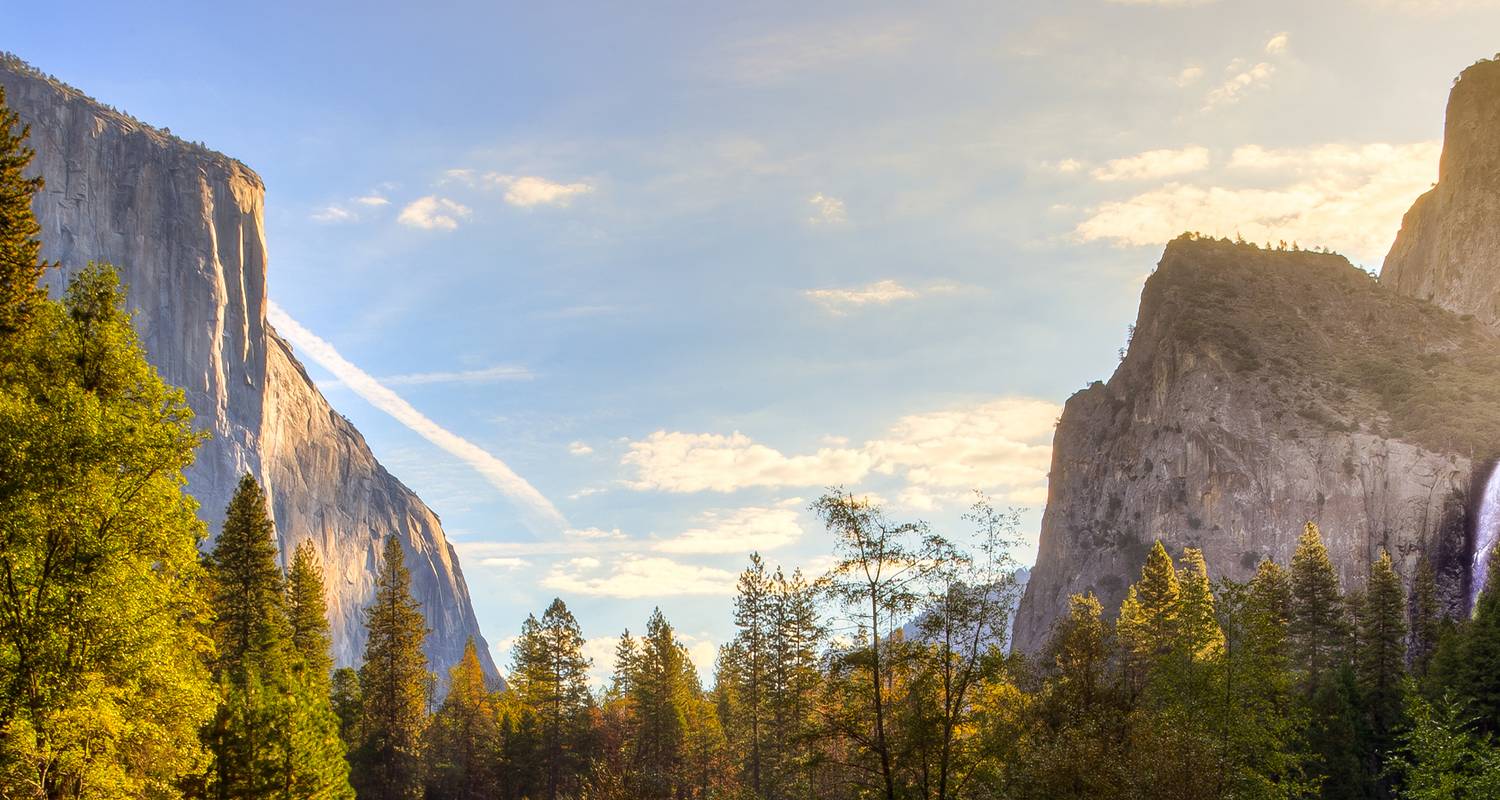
column 620, row 289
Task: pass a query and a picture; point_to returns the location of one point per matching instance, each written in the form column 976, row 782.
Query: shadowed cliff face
column 183, row 225
column 1263, row 389
column 1448, row 250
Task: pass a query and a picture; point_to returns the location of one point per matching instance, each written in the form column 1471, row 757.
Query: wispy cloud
column 579, row 448
column 1154, row 164
column 787, row 54
column 1163, row 3
column 633, row 575
column 1349, row 197
column 332, row 214
column 372, row 200
column 433, row 213
column 1188, row 76
column 497, row 373
column 539, row 509
column 1001, row 445
column 739, row 530
column 1241, row 79
column 1277, row 44
column 879, row 293
column 527, row 191
column 827, row 210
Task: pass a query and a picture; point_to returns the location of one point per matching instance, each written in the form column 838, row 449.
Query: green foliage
column 275, row 734
column 1148, row 617
column 1441, row 758
column 1319, row 627
column 464, row 737
column 307, row 613
column 21, row 266
column 550, row 682
column 102, row 608
column 395, row 685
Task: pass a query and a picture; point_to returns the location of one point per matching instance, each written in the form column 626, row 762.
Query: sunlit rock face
column 184, row 227
column 1448, row 250
column 1263, row 389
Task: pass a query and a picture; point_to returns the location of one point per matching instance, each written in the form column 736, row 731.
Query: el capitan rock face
column 184, row 227
column 1263, row 389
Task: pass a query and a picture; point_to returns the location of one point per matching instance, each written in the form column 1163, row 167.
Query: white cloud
column 595, row 534
column 600, row 651
column 333, row 214
column 377, row 394
column 1154, row 164
column 433, row 213
column 1242, row 78
column 1003, row 445
column 504, row 562
column 499, row 372
column 1067, row 166
column 1163, row 3
column 579, row 449
column 740, row 530
column 1348, row 197
column 1188, row 76
column 827, row 210
column 527, row 191
column 632, row 575
column 879, row 293
column 372, row 200
column 695, row 462
column 1277, row 44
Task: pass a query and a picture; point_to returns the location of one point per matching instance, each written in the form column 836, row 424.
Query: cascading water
column 1486, row 532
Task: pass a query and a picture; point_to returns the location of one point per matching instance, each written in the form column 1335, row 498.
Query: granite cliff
column 1264, row 388
column 1448, row 250
column 184, row 227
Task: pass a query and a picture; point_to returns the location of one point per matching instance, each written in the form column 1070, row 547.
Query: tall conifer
column 395, row 686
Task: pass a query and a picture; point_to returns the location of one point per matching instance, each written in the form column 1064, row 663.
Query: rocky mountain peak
column 1448, row 250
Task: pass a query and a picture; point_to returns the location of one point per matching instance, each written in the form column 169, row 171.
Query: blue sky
column 643, row 278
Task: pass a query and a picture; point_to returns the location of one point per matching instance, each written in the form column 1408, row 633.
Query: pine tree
column 660, row 696
column 348, row 705
column 752, row 612
column 316, row 766
column 795, row 680
column 21, row 266
column 1473, row 672
column 103, row 685
column 395, row 684
column 250, row 620
column 550, row 678
column 1148, row 621
column 1380, row 665
column 307, row 611
column 1319, row 628
column 248, row 737
column 463, row 741
column 1197, row 629
column 1426, row 616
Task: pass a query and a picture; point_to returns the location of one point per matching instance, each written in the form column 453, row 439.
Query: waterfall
column 1486, row 531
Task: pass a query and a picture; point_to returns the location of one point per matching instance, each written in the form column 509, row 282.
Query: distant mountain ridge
column 1265, row 388
column 184, row 226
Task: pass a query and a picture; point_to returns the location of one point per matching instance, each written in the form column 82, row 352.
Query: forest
column 136, row 663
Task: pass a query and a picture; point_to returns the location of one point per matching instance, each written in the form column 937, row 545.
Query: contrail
column 376, row 394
